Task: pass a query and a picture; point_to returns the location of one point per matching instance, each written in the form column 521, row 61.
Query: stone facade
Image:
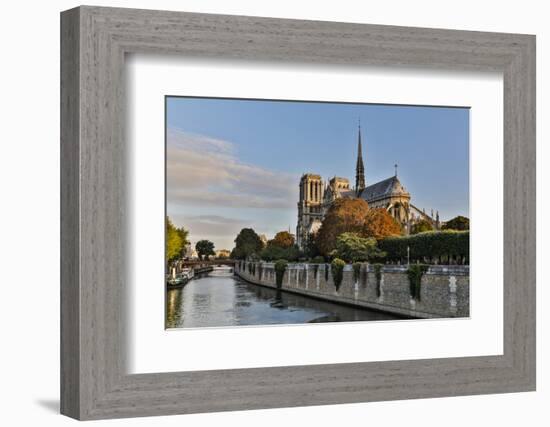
column 316, row 197
column 444, row 290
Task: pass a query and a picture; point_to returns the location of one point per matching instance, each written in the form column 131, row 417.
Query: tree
column 205, row 248
column 174, row 241
column 460, row 223
column 310, row 246
column 345, row 215
column 421, row 226
column 352, row 248
column 283, row 239
column 380, row 224
column 247, row 243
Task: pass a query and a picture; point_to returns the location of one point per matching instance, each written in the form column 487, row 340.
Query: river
column 229, row 301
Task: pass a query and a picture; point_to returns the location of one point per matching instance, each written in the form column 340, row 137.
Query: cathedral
column 316, row 197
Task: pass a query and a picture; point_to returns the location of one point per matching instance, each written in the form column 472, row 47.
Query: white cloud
column 203, row 171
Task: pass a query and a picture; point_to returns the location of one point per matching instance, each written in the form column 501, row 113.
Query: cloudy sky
column 237, row 163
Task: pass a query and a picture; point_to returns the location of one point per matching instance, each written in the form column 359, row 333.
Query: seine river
column 229, row 301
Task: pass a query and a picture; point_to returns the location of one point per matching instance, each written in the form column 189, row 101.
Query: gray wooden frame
column 94, row 41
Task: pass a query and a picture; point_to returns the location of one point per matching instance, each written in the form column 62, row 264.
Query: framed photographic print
column 347, row 210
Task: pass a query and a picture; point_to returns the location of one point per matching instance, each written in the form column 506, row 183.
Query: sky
column 237, row 163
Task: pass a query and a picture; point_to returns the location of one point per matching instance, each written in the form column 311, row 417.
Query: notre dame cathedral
column 317, row 195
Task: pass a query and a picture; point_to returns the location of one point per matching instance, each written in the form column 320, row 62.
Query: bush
column 415, row 273
column 421, row 226
column 337, row 266
column 351, row 247
column 280, row 267
column 318, row 260
column 428, row 246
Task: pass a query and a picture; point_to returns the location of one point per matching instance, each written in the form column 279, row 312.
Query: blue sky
column 237, row 163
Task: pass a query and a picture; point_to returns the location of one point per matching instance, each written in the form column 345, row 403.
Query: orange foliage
column 380, row 224
column 345, row 215
column 283, row 239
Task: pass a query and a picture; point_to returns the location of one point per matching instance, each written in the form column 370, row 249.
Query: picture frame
column 94, row 381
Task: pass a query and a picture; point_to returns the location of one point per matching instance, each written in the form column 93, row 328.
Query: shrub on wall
column 337, row 267
column 356, row 271
column 280, row 267
column 415, row 273
column 429, row 247
column 318, row 260
column 378, row 277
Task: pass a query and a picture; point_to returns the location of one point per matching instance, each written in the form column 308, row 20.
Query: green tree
column 174, row 241
column 247, row 243
column 205, row 248
column 184, row 235
column 310, row 246
column 421, row 226
column 353, row 248
column 460, row 223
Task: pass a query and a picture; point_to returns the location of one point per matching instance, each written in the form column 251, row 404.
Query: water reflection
column 229, row 301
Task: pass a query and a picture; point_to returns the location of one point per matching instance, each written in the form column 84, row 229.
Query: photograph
column 296, row 212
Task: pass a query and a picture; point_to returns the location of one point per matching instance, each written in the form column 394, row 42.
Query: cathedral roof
column 347, row 193
column 385, row 188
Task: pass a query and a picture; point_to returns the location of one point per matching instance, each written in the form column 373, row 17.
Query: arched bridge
column 205, row 263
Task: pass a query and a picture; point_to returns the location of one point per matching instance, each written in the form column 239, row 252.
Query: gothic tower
column 359, row 169
column 309, row 205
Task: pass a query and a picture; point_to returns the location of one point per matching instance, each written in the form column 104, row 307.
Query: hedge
column 429, row 247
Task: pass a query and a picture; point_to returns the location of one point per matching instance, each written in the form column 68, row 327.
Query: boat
column 177, row 280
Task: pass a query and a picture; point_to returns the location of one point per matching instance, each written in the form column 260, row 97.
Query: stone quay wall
column 444, row 290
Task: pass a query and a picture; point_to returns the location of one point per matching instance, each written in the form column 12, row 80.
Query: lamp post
column 408, row 256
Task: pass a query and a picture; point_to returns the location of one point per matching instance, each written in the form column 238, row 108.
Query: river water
column 229, row 301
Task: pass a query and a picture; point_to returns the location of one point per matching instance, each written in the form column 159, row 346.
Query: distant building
column 316, row 197
column 190, row 252
column 223, row 253
column 263, row 238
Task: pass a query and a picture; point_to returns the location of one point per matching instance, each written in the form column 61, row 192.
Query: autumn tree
column 247, row 243
column 344, row 215
column 460, row 223
column 204, row 249
column 283, row 239
column 378, row 223
column 421, row 226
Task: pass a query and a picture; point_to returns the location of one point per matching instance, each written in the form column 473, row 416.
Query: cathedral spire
column 360, row 168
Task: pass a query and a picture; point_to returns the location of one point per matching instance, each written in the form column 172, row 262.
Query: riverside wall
column 444, row 290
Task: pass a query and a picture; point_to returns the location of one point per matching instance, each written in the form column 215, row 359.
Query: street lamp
column 408, row 255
